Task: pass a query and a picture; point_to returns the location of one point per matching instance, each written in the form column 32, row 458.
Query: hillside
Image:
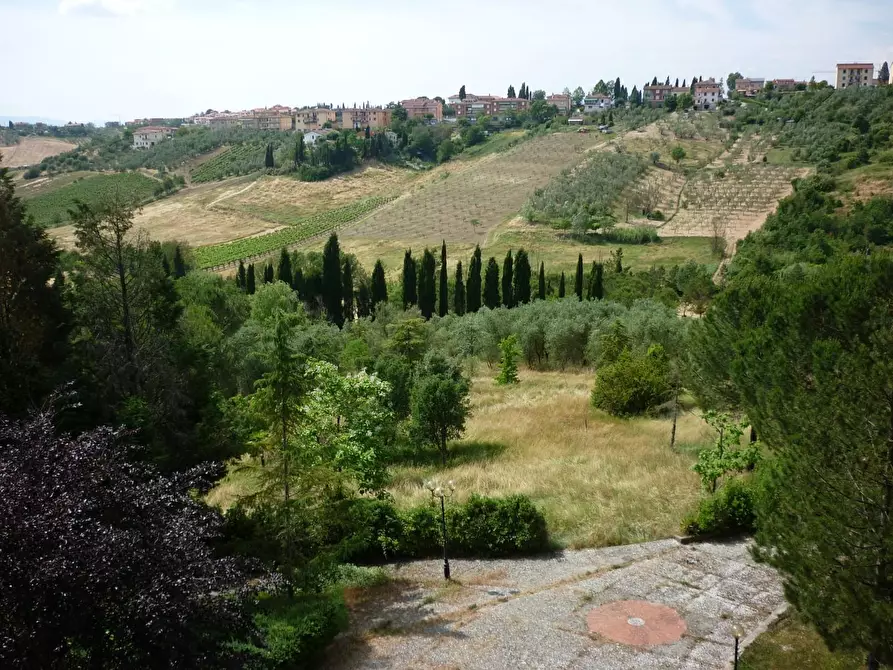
column 32, row 150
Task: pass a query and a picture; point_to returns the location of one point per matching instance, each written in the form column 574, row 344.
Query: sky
column 97, row 60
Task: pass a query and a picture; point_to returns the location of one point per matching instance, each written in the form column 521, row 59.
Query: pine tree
column 617, row 89
column 179, row 263
column 883, row 76
column 332, row 293
column 578, row 279
column 426, row 286
column 474, row 286
column 522, row 278
column 541, row 286
column 508, row 295
column 491, row 284
column 511, row 92
column 462, row 92
column 347, row 289
column 668, row 81
column 684, row 83
column 283, row 271
column 249, row 280
column 379, row 292
column 561, row 287
column 654, row 82
column 691, row 87
column 240, row 275
column 443, row 306
column 634, row 96
column 459, row 293
column 410, row 272
column 677, row 82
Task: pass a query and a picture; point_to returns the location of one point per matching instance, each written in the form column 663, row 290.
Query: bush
column 482, row 527
column 293, row 634
column 728, row 512
column 637, row 235
column 633, row 384
column 32, row 173
column 656, row 215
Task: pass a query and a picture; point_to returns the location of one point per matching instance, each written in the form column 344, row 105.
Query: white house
column 599, row 101
column 311, row 136
column 145, row 138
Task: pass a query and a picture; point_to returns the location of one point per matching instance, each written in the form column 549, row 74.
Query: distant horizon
column 124, row 59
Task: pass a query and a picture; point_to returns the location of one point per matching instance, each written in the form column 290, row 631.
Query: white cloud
column 111, row 7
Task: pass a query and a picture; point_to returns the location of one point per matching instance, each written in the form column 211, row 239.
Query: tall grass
column 600, row 481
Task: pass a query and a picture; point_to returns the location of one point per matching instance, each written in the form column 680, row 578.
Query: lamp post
column 738, row 632
column 443, row 494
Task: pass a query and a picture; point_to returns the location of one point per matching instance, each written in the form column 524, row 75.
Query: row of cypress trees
column 471, row 292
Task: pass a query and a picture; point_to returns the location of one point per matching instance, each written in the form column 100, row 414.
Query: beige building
column 148, row 137
column 359, row 118
column 855, row 75
column 314, row 118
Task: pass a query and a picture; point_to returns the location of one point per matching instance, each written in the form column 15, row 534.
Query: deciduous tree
column 440, row 402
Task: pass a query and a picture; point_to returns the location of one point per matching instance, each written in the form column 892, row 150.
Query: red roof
column 859, row 66
column 154, row 129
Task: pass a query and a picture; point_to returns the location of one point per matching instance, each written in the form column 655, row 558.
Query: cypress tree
column 331, row 281
column 410, row 294
column 491, row 284
column 269, row 273
column 364, row 300
column 474, row 287
column 297, row 283
column 561, row 289
column 508, row 296
column 654, row 82
column 283, row 272
column 347, row 289
column 426, row 285
column 179, row 263
column 590, row 283
column 249, row 280
column 522, row 278
column 677, row 82
column 541, row 287
column 598, row 288
column 459, row 294
column 379, row 292
column 578, row 279
column 443, row 301
column 240, row 275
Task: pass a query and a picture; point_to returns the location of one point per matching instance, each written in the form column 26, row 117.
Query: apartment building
column 707, row 94
column 276, row 119
column 657, row 94
column 149, row 136
column 475, row 106
column 361, row 117
column 561, row 101
column 785, row 84
column 314, row 118
column 420, row 108
column 749, row 87
column 855, row 75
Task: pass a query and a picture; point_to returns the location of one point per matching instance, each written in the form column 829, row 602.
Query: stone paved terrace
column 532, row 613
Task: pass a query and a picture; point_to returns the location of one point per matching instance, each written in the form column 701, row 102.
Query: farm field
column 462, row 205
column 600, row 481
column 32, row 150
column 50, row 209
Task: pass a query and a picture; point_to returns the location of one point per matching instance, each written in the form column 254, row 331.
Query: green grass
column 495, row 143
column 51, row 209
column 28, row 190
column 782, row 156
column 792, row 644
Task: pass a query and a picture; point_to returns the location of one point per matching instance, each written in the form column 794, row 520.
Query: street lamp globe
column 737, row 631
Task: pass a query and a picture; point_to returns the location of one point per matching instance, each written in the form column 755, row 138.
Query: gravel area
column 531, row 613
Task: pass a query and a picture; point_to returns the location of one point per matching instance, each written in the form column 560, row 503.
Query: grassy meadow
column 600, row 481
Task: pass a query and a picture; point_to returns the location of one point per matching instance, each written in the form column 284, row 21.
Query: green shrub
column 293, row 634
column 637, row 235
column 32, row 173
column 729, row 511
column 633, row 384
column 498, row 527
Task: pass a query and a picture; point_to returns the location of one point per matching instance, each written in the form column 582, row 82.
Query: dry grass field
column 599, row 480
column 32, row 150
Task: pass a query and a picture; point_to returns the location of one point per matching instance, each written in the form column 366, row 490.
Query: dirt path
column 532, row 613
column 232, row 194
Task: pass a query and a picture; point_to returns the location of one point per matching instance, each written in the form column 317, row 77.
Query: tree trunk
column 872, row 662
column 675, row 416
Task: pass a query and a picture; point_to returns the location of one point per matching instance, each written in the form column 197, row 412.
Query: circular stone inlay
column 636, row 622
